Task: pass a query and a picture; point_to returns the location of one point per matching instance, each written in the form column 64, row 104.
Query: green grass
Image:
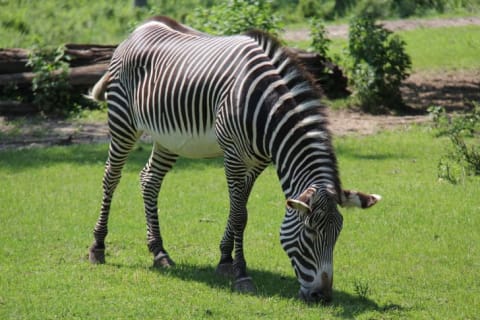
column 414, row 255
column 439, row 49
column 26, row 23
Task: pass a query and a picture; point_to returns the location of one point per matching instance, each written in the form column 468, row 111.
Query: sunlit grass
column 414, row 255
column 444, row 48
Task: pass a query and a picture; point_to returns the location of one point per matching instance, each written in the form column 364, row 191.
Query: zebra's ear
column 302, row 203
column 359, row 199
column 299, row 205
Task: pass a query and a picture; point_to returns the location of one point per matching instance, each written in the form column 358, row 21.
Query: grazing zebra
column 243, row 97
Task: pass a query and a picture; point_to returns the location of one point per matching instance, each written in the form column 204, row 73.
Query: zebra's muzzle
column 315, row 295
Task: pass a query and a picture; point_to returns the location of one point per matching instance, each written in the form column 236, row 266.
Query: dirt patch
column 341, row 31
column 454, row 91
column 345, row 122
column 26, row 134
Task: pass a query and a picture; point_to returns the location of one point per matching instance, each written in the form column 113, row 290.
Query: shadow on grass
column 270, row 284
column 94, row 154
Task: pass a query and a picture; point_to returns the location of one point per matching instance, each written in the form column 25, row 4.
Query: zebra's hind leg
column 117, row 156
column 151, row 177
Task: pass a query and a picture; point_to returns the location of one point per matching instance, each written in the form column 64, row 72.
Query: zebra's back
column 176, row 83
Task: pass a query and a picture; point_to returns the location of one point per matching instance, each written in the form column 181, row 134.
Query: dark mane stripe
column 175, row 25
column 286, row 62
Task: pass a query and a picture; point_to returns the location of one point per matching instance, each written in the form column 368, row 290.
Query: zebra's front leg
column 233, row 240
column 240, row 182
column 151, row 178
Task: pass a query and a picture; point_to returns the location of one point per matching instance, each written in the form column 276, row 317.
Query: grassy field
column 414, row 255
column 444, row 48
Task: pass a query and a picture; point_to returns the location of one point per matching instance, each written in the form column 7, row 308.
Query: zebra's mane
column 285, row 61
column 300, row 82
column 175, row 25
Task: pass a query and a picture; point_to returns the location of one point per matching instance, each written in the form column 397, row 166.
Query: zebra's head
column 309, row 232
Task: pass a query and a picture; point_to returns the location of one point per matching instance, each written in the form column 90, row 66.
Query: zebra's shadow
column 270, row 284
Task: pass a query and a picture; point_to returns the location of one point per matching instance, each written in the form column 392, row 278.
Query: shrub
column 52, row 93
column 236, row 16
column 467, row 124
column 461, row 160
column 50, row 85
column 378, row 65
column 318, row 34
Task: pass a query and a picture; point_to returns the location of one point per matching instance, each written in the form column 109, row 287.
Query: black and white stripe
column 243, row 97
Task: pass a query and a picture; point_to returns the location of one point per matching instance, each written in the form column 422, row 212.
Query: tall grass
column 414, row 255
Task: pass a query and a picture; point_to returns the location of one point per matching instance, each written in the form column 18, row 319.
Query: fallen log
column 16, row 108
column 77, row 76
column 87, row 54
column 15, row 60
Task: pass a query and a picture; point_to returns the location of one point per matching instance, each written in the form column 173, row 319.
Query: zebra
column 243, row 97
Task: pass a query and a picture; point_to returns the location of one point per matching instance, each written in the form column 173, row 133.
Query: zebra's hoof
column 162, row 261
column 96, row 256
column 225, row 270
column 245, row 285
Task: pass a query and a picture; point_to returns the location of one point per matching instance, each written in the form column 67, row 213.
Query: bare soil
column 452, row 90
column 341, row 31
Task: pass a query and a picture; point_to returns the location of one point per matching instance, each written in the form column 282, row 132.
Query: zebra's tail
column 98, row 91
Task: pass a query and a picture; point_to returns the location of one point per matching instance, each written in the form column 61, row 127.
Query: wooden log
column 13, row 60
column 87, row 54
column 86, row 75
column 16, row 108
column 77, row 76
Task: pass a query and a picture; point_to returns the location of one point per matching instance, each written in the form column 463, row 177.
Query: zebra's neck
column 303, row 160
column 296, row 134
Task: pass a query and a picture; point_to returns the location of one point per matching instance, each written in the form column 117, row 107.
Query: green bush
column 377, row 65
column 52, row 93
column 318, row 34
column 467, row 124
column 461, row 159
column 236, row 16
column 50, row 86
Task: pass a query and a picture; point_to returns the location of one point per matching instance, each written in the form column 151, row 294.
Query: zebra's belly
column 185, row 145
